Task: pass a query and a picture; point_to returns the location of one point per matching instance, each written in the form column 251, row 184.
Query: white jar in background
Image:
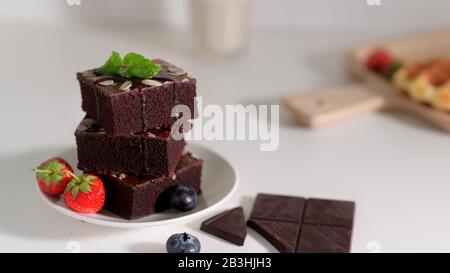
column 221, row 26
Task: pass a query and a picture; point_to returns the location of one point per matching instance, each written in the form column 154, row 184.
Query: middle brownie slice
column 150, row 153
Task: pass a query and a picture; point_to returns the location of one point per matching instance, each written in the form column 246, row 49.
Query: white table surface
column 394, row 166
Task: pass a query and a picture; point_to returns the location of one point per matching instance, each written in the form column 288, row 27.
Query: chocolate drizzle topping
column 168, row 72
column 144, row 127
column 97, row 103
column 145, row 156
column 143, row 104
column 165, row 73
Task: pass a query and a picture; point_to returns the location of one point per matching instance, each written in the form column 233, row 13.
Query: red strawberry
column 53, row 176
column 85, row 194
column 379, row 61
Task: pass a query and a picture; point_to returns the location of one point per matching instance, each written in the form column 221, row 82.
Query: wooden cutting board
column 373, row 93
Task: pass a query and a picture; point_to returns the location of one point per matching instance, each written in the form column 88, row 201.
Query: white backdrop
column 396, row 14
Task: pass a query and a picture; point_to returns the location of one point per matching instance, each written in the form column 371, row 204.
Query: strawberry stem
column 76, row 178
column 42, row 171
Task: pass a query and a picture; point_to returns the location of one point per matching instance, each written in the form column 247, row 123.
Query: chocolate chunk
column 293, row 224
column 320, row 239
column 282, row 235
column 228, row 225
column 278, row 207
column 329, row 212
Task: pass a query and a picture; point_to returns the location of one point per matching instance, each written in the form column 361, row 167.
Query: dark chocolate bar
column 293, row 224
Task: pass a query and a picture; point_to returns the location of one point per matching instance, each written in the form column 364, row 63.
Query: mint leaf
column 136, row 65
column 112, row 65
column 132, row 65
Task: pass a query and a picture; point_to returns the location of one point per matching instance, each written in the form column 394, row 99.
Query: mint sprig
column 132, row 65
column 135, row 65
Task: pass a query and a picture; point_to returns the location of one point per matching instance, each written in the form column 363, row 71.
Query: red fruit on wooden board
column 85, row 194
column 53, row 175
column 379, row 61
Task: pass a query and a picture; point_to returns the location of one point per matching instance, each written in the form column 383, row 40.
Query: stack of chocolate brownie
column 126, row 138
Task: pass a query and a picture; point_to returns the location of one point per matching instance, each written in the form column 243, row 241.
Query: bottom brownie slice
column 133, row 197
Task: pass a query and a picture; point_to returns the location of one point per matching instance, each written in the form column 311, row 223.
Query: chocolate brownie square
column 143, row 105
column 133, row 197
column 150, row 153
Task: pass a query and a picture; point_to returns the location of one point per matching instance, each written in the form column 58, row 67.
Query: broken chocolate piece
column 228, row 225
column 293, row 224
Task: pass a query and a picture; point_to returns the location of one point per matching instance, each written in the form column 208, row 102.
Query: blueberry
column 183, row 197
column 182, row 243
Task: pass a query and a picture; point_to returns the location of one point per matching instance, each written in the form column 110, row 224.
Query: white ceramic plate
column 219, row 181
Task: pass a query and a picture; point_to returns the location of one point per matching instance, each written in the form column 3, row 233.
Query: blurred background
column 393, row 14
column 241, row 52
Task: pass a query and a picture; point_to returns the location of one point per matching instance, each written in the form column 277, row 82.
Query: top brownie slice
column 146, row 104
